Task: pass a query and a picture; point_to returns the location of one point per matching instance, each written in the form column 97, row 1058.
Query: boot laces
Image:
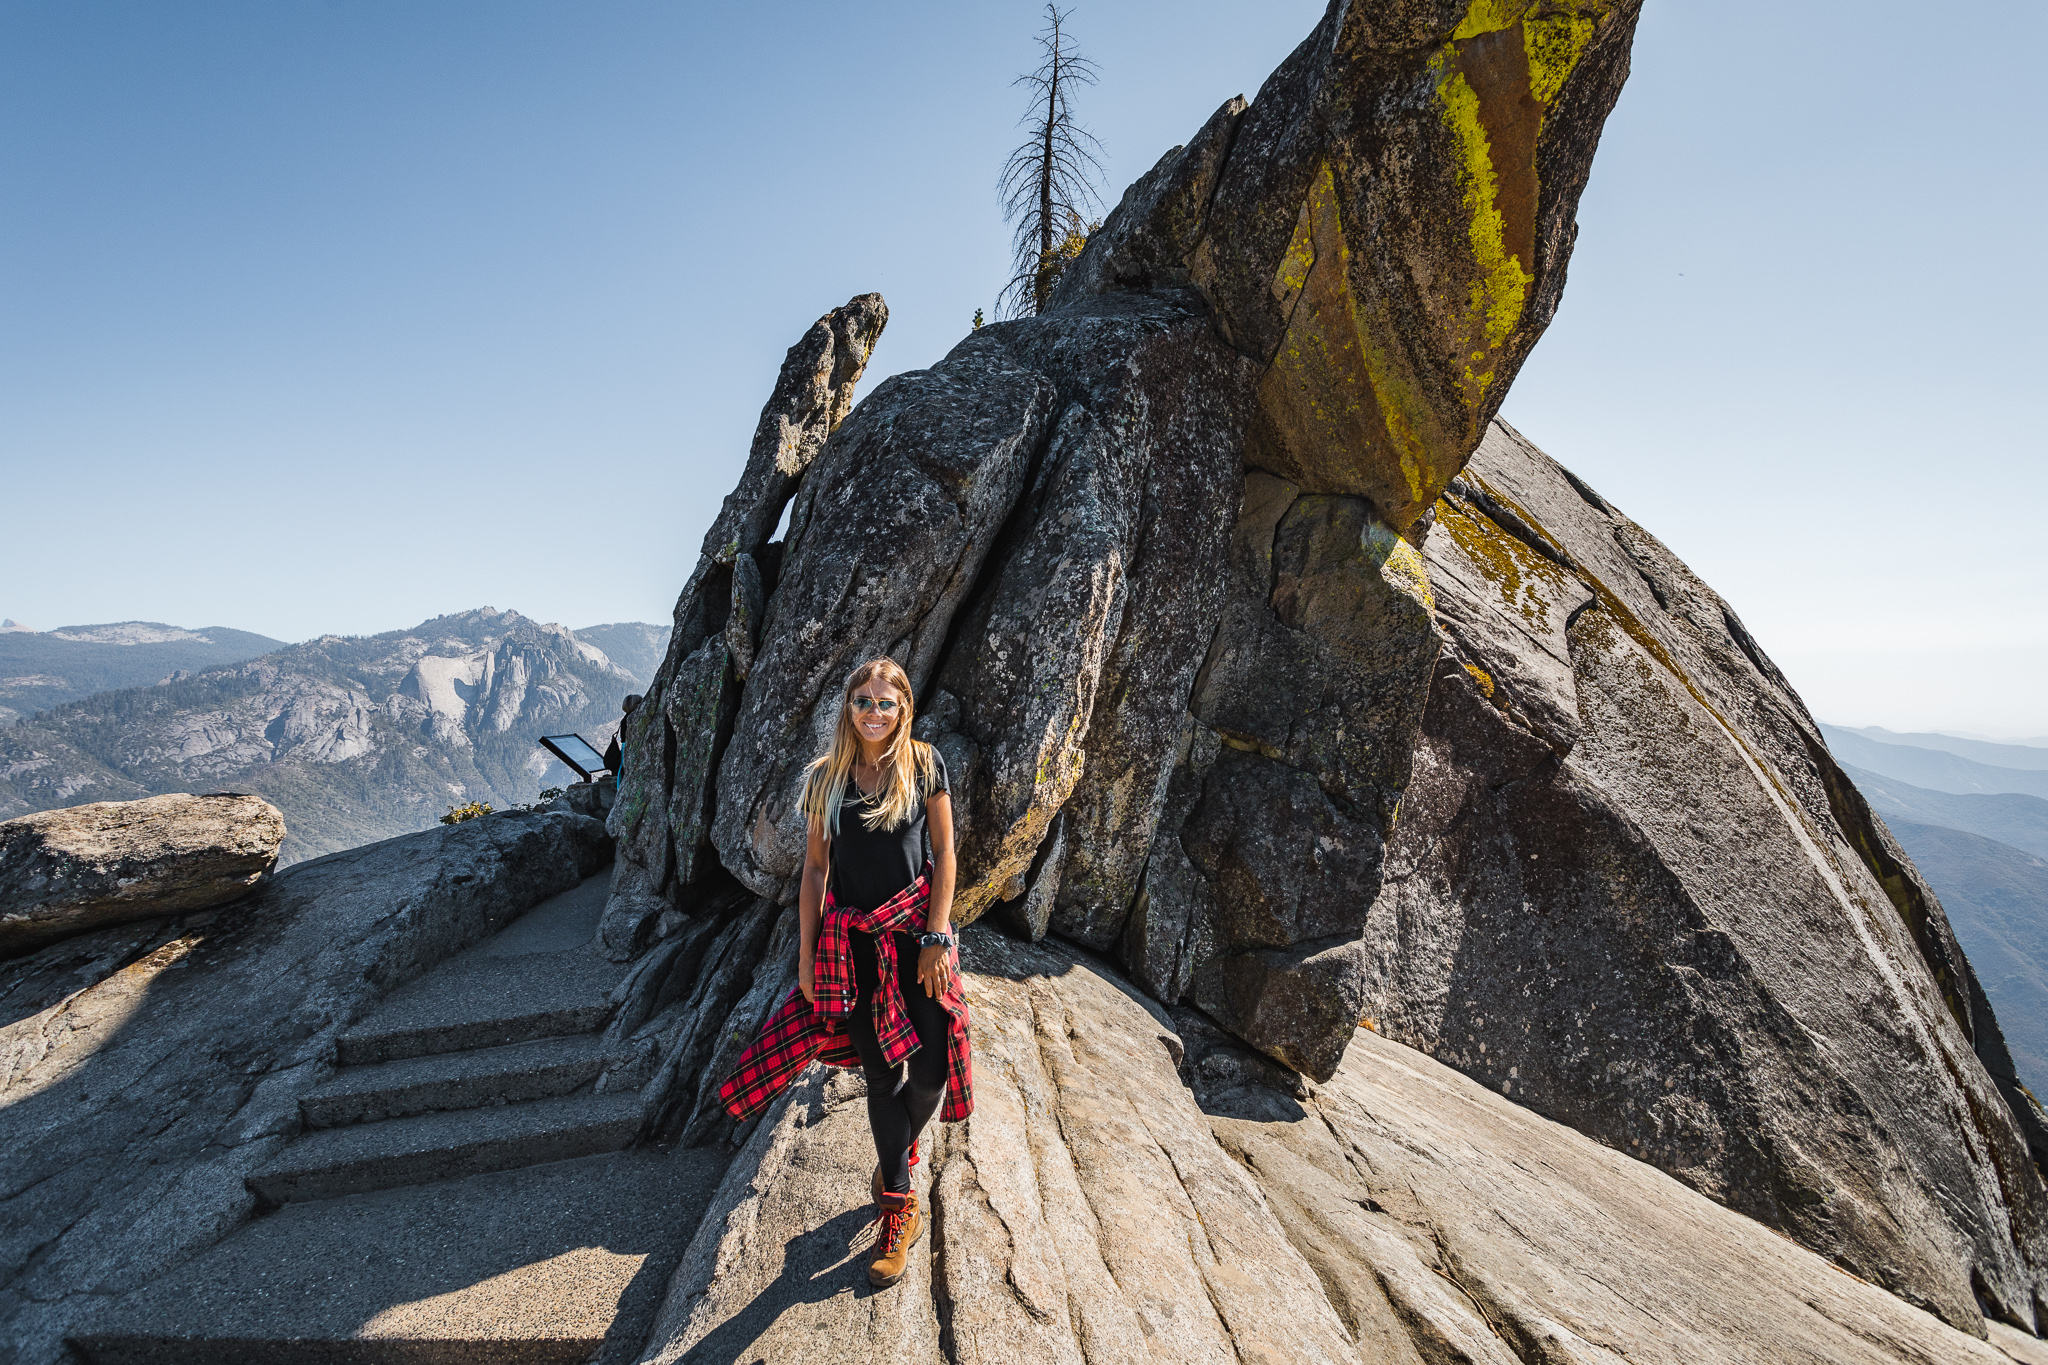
column 892, row 1229
column 889, row 1224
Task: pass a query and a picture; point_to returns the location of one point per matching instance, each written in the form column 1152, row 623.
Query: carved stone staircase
column 462, row 1190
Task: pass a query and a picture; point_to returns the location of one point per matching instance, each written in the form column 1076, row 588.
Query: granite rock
column 1072, row 667
column 69, row 871
column 1135, row 1185
column 146, row 1070
column 1245, row 676
column 938, row 458
column 674, row 740
column 1384, row 229
column 1627, row 890
column 1314, row 686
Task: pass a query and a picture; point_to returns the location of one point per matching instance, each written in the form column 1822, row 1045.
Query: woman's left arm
column 935, row 964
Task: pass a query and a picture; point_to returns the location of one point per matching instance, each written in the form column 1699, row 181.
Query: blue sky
column 335, row 316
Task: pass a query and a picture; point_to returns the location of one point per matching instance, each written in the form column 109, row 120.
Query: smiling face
column 877, row 708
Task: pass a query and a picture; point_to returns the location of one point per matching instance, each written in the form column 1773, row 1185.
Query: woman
column 877, row 968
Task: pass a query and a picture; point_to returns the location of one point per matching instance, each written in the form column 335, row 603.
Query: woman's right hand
column 806, row 974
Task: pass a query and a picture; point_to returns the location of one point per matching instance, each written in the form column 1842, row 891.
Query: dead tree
column 1049, row 183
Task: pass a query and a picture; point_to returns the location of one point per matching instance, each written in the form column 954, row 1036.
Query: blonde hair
column 906, row 762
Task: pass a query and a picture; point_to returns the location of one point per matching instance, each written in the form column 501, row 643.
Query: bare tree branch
column 1049, row 184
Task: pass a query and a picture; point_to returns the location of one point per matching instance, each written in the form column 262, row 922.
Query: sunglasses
column 885, row 705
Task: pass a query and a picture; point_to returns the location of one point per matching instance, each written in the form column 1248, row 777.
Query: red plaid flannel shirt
column 798, row 1031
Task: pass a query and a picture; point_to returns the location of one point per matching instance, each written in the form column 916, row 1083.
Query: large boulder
column 1384, row 229
column 1073, row 665
column 1247, row 680
column 70, row 871
column 887, row 537
column 146, row 1069
column 1631, row 889
column 1309, row 705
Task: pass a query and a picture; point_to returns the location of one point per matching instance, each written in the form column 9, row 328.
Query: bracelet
column 926, row 940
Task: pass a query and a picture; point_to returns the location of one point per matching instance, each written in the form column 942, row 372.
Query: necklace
column 866, row 795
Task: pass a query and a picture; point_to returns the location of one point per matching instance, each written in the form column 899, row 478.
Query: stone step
column 330, row 1162
column 454, row 1080
column 563, row 1262
column 485, row 1001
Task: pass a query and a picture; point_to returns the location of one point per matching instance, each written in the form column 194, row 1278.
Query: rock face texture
column 1304, row 718
column 1136, row 1186
column 147, row 1069
column 65, row 872
column 1250, row 681
column 1631, row 889
column 1385, row 229
column 662, row 819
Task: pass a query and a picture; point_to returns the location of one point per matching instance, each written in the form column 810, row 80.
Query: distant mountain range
column 2016, row 767
column 1982, row 844
column 353, row 738
column 635, row 646
column 2010, row 818
column 41, row 669
column 2025, row 754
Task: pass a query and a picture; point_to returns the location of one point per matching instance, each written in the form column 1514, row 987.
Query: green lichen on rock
column 1531, row 584
column 1379, row 235
column 1500, row 284
column 1554, row 45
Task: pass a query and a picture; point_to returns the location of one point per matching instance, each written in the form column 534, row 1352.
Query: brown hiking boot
column 902, row 1224
column 878, row 1173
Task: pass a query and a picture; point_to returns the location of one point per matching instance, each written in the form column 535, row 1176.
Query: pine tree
column 1050, row 180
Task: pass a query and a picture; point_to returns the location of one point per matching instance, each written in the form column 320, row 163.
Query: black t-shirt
column 871, row 865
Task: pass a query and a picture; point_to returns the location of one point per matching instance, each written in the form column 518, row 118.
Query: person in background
column 615, row 753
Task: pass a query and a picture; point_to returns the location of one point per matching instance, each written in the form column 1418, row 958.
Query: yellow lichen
column 1496, row 296
column 1402, row 409
column 1554, row 45
column 1488, row 16
column 1484, row 679
column 1401, row 568
column 1334, row 349
column 1248, row 744
column 1397, row 399
column 1292, row 275
column 1529, row 584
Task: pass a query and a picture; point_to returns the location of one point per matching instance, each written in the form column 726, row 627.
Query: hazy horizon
column 285, row 287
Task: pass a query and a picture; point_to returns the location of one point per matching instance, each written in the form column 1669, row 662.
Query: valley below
column 355, row 739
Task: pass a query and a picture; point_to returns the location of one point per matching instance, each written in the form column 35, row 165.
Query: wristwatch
column 926, row 940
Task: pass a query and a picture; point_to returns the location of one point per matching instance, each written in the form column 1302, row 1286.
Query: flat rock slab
column 559, row 924
column 1405, row 1182
column 564, row 1262
column 69, row 871
column 1083, row 1214
column 784, row 1273
column 1135, row 1187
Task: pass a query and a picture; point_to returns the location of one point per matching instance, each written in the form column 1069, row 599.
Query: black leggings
column 898, row 1116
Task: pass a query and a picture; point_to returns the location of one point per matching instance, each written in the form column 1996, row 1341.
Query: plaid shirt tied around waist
column 798, row 1031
